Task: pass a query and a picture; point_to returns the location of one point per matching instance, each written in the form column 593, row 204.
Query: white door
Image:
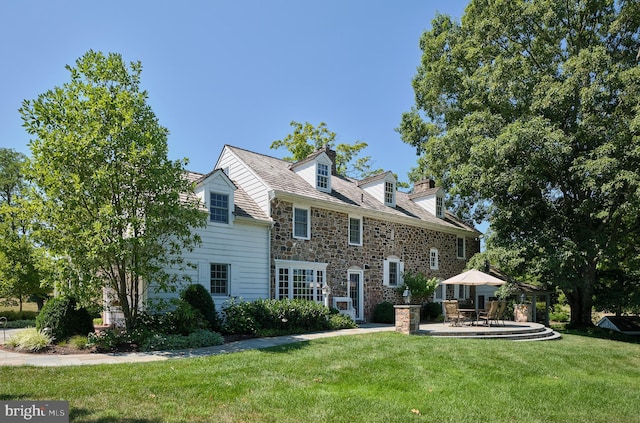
column 355, row 289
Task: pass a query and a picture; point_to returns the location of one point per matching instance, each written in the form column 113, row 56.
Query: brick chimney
column 332, row 155
column 423, row 185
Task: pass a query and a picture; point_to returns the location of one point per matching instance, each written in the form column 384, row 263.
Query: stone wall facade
column 329, row 244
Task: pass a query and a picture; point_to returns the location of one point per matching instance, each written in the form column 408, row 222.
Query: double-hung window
column 439, row 207
column 461, row 247
column 301, row 223
column 389, row 191
column 219, row 207
column 393, row 269
column 433, row 259
column 322, row 177
column 355, row 230
column 219, row 279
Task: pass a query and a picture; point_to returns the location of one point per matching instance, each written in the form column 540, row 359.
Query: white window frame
column 389, row 194
column 293, row 223
column 440, row 207
column 323, row 177
column 464, row 247
column 399, row 271
column 288, row 274
column 227, row 282
column 433, row 259
column 228, row 209
column 360, row 224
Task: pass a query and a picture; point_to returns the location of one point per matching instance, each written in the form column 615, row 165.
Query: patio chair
column 490, row 314
column 500, row 313
column 451, row 313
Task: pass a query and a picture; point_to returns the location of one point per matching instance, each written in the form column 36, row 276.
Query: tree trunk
column 581, row 299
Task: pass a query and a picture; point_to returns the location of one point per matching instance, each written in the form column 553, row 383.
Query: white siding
column 244, row 246
column 245, row 178
column 307, row 171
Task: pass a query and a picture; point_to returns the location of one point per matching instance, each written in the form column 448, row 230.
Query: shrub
column 187, row 319
column 341, row 321
column 238, row 318
column 197, row 296
column 13, row 315
column 29, row 340
column 559, row 314
column 432, row 310
column 384, row 313
column 63, row 319
column 79, row 342
column 278, row 317
column 19, row 324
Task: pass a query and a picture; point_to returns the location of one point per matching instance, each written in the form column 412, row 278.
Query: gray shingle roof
column 276, row 173
column 244, row 206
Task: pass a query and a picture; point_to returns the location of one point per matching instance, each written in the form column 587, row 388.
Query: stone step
column 539, row 333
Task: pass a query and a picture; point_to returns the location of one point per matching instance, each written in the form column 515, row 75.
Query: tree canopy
column 24, row 266
column 527, row 112
column 307, row 138
column 114, row 210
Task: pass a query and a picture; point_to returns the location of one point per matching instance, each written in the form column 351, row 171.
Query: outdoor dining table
column 469, row 312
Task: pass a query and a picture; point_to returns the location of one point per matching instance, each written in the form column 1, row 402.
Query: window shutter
column 401, row 270
column 204, row 274
column 385, row 273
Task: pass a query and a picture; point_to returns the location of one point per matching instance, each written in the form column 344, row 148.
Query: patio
column 515, row 331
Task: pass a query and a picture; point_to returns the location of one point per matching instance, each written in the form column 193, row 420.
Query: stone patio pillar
column 407, row 318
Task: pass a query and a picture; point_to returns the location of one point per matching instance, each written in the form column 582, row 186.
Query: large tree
column 527, row 111
column 23, row 264
column 114, row 209
column 306, row 138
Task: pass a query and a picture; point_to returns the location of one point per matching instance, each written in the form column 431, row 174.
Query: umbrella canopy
column 474, row 277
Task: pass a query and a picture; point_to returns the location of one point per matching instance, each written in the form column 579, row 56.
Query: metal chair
column 490, row 314
column 451, row 313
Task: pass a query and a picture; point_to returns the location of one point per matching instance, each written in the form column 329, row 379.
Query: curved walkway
column 11, row 358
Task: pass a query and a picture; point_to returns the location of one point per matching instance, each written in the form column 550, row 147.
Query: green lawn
column 381, row 377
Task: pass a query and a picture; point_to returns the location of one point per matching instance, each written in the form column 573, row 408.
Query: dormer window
column 429, row 197
column 440, row 207
column 219, row 207
column 382, row 187
column 389, row 192
column 316, row 169
column 322, row 176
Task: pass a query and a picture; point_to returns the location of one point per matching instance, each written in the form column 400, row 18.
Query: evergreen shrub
column 197, row 296
column 62, row 317
column 384, row 313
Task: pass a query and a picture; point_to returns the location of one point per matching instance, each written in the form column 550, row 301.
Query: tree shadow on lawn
column 600, row 333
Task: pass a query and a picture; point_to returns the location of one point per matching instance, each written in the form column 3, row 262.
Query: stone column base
column 407, row 318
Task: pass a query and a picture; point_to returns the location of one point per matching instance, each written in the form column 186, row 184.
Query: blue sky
column 233, row 72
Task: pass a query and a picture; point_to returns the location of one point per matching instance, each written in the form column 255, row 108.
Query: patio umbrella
column 474, row 277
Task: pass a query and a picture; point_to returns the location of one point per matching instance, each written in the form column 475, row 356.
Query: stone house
column 330, row 236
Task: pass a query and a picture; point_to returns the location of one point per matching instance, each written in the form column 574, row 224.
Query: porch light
column 326, row 291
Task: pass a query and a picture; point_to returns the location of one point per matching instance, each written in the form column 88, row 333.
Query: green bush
column 13, row 315
column 187, row 319
column 30, row 340
column 19, row 324
column 341, row 321
column 278, row 317
column 559, row 314
column 431, row 311
column 238, row 318
column 197, row 296
column 63, row 319
column 384, row 313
